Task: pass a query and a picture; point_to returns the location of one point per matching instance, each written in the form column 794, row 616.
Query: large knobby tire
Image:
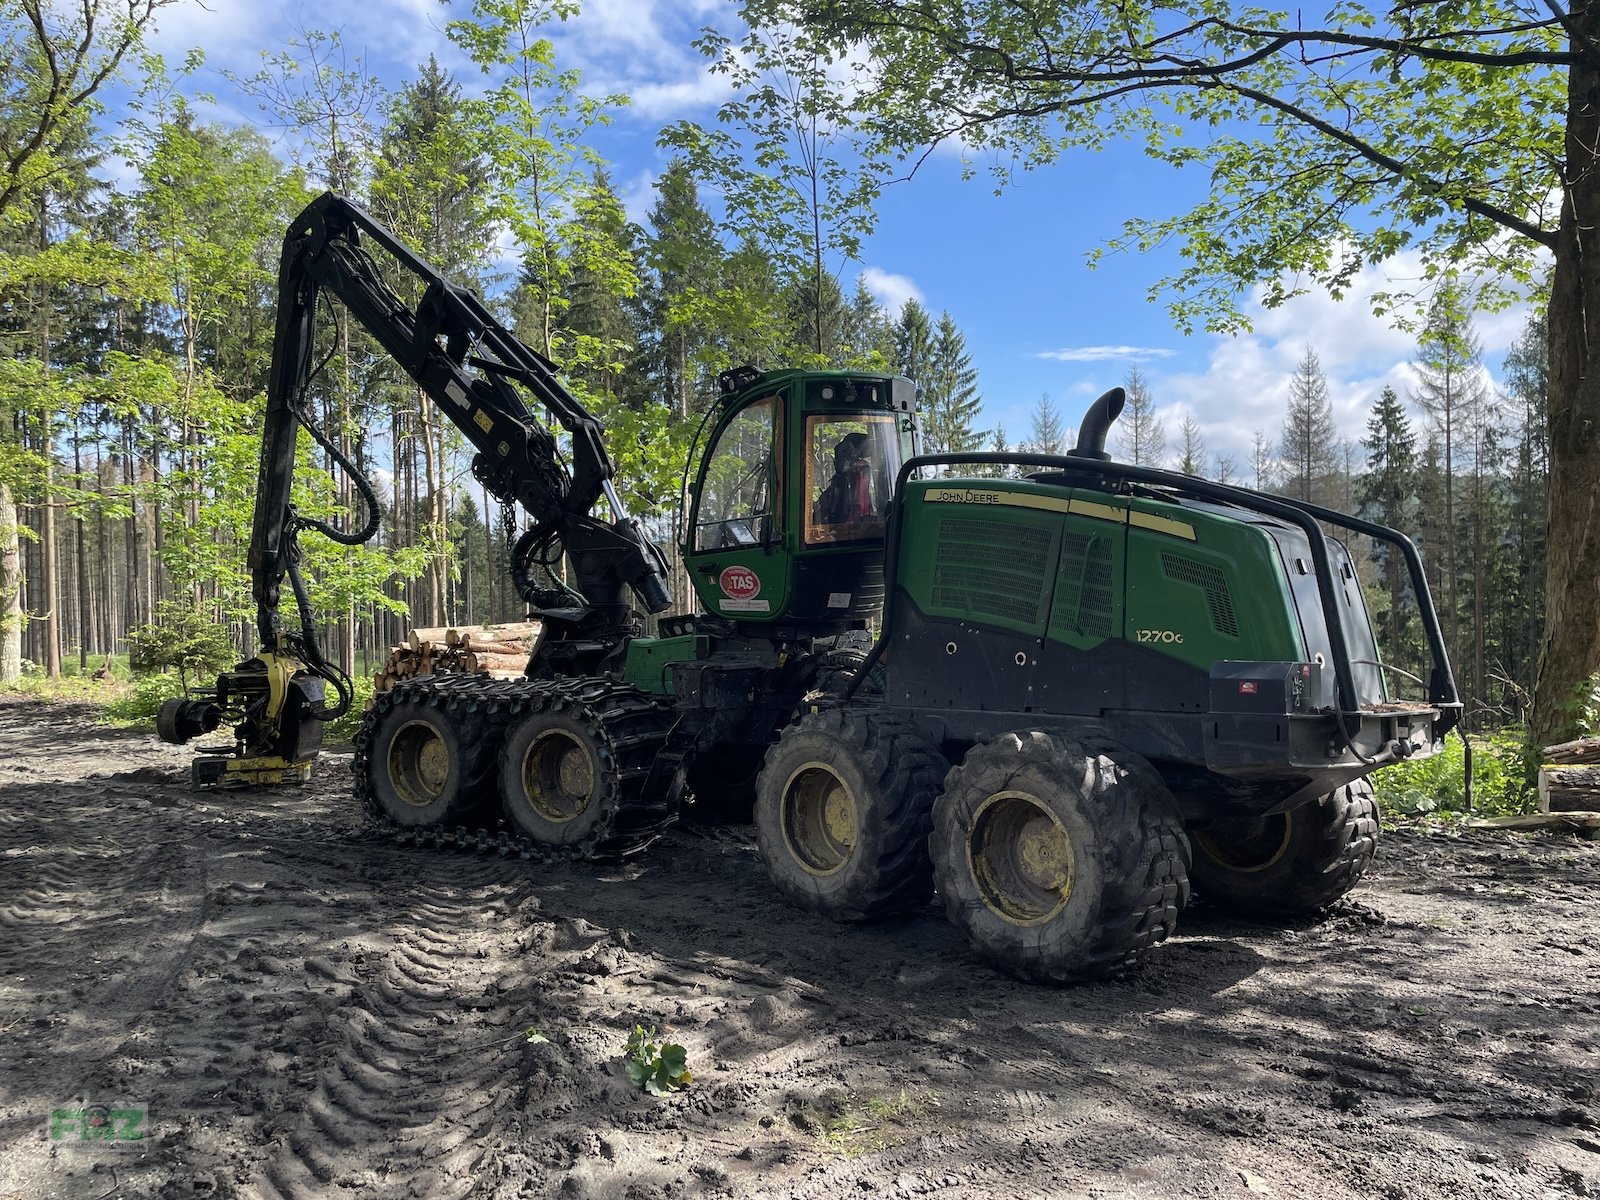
column 1062, row 859
column 1290, row 863
column 427, row 764
column 843, row 808
column 576, row 770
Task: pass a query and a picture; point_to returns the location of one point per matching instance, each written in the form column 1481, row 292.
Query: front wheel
column 1289, row 863
column 842, row 814
column 1061, row 860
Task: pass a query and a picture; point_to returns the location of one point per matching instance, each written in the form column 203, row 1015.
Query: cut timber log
column 522, row 631
column 1584, row 750
column 493, row 647
column 500, row 662
column 1588, row 822
column 498, row 651
column 417, row 638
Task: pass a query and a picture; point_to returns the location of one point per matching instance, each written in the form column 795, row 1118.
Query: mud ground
column 306, row 1010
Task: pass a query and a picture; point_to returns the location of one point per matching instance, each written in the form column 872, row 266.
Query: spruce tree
column 948, row 393
column 913, row 341
column 1387, row 494
column 1454, row 395
column 683, row 257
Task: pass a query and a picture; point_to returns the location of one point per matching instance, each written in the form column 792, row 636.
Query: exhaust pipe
column 1097, row 424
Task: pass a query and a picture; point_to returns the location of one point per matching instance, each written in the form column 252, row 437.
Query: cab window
column 851, row 463
column 737, row 494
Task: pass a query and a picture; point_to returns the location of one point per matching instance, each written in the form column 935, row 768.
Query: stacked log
column 496, row 651
column 1570, row 779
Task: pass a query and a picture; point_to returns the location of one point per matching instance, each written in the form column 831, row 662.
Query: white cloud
column 1106, row 353
column 1244, row 383
column 891, row 291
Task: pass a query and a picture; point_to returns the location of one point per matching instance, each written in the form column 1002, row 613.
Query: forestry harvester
column 1092, row 682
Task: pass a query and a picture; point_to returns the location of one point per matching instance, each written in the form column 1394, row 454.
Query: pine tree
column 948, row 394
column 1141, row 437
column 1310, row 439
column 598, row 336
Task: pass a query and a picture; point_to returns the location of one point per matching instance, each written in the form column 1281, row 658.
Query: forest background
column 137, row 289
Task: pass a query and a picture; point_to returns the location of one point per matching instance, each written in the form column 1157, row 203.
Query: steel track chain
column 482, row 708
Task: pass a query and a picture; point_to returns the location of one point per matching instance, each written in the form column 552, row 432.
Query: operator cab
column 789, row 512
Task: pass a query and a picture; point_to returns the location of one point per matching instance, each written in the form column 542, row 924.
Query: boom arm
column 472, row 368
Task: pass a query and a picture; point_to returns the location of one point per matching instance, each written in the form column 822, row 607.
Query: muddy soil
column 304, row 1009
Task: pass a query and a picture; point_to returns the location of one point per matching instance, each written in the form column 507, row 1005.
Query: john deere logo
column 740, row 583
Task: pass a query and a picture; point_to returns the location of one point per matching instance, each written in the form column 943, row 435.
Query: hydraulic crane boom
column 472, row 368
column 477, row 373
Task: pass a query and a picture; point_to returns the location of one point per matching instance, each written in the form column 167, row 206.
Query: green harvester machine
column 1091, row 682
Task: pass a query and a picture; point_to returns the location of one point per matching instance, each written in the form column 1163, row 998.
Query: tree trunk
column 11, row 618
column 1571, row 650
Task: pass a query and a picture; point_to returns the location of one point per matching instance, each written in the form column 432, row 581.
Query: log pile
column 1570, row 779
column 497, row 651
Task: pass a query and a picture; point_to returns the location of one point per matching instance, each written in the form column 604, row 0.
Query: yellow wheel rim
column 1257, row 845
column 558, row 776
column 419, row 764
column 820, row 822
column 1021, row 858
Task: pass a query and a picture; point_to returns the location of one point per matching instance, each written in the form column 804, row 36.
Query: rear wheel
column 843, row 808
column 1289, row 863
column 423, row 764
column 577, row 770
column 1061, row 859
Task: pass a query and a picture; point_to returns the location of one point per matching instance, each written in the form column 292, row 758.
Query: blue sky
column 1010, row 269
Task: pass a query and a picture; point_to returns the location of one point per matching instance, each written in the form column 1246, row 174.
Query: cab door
column 735, row 544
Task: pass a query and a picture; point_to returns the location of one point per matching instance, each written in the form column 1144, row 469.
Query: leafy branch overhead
column 1328, row 148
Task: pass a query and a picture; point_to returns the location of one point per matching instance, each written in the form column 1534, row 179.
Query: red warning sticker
column 1249, row 687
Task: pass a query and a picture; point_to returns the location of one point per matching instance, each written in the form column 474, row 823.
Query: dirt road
column 302, row 1009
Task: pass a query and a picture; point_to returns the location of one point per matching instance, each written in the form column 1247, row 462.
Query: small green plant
column 535, row 1038
column 658, row 1069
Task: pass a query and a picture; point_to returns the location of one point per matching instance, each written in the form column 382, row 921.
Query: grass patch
column 853, row 1124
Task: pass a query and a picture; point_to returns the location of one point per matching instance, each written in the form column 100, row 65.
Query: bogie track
column 635, row 799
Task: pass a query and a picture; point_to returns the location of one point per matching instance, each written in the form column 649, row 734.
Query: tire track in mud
column 412, row 1066
column 101, row 901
